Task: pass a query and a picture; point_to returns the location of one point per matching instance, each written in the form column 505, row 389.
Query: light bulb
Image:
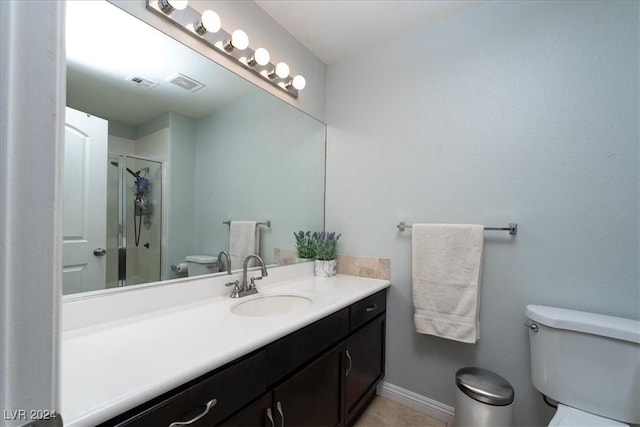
column 168, row 6
column 178, row 4
column 211, row 21
column 240, row 40
column 282, row 70
column 299, row 82
column 262, row 56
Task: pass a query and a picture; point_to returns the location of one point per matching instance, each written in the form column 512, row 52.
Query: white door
column 85, row 202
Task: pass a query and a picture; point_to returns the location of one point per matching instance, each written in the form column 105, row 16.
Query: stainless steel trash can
column 483, row 398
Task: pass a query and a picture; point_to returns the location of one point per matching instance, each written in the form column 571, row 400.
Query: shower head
column 135, row 174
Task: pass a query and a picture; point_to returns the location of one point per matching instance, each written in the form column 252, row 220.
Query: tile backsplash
column 285, row 256
column 373, row 268
column 370, row 267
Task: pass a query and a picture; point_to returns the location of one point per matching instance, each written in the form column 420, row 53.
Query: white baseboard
column 416, row 401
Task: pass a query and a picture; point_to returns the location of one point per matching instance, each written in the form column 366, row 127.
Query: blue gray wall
column 280, row 176
column 515, row 111
column 181, row 191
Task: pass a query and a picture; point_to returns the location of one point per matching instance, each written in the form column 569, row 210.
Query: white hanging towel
column 244, row 240
column 446, row 270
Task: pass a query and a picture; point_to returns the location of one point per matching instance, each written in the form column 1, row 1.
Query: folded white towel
column 244, row 240
column 446, row 269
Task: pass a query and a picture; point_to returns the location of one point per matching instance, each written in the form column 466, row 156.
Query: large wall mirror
column 164, row 147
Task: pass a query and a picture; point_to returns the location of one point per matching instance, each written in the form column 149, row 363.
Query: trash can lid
column 484, row 386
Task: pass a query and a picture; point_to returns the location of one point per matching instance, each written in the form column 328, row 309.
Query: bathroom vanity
column 201, row 362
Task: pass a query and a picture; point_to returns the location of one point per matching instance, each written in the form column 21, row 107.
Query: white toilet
column 589, row 363
column 198, row 265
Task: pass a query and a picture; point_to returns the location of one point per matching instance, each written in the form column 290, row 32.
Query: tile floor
column 387, row 413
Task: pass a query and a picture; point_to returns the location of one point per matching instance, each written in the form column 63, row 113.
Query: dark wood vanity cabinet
column 324, row 374
column 338, row 385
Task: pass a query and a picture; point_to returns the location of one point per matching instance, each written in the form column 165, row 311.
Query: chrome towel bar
column 512, row 228
column 267, row 223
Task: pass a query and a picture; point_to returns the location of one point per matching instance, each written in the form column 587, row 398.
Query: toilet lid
column 567, row 416
column 201, row 259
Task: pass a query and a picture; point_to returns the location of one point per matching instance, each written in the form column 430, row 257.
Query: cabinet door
column 364, row 354
column 293, row 351
column 312, row 397
column 257, row 414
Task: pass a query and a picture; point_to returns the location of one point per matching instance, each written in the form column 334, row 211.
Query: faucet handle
column 252, row 282
column 236, row 288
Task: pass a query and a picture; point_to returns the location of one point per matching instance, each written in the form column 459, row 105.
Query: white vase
column 325, row 268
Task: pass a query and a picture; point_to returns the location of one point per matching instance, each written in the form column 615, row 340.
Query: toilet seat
column 570, row 417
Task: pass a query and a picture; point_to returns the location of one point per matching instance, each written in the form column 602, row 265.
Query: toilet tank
column 197, row 265
column 585, row 360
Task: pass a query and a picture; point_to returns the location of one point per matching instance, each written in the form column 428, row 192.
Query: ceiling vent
column 185, row 82
column 141, row 82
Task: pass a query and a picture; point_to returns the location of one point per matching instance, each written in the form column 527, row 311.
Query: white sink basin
column 271, row 305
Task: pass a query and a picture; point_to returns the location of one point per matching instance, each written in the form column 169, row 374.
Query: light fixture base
column 199, row 28
column 165, row 7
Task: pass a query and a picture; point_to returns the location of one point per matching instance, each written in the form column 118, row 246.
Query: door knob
column 99, row 252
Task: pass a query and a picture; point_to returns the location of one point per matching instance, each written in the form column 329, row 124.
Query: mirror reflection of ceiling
column 95, row 63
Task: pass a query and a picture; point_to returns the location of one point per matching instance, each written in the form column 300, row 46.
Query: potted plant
column 326, row 252
column 305, row 245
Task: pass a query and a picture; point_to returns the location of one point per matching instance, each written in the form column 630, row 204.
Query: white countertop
column 113, row 366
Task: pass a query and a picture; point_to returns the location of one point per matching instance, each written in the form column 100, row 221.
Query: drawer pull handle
column 279, row 408
column 371, row 308
column 270, row 416
column 350, row 363
column 210, row 404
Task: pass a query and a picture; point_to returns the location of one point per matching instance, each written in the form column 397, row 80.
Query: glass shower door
column 134, row 220
column 143, row 208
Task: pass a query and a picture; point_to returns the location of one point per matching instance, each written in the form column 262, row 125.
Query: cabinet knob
column 210, row 404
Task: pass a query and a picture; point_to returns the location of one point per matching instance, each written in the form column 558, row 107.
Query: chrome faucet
column 251, row 286
column 248, row 287
column 226, row 255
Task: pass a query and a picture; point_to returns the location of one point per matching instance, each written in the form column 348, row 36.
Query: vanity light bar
column 207, row 27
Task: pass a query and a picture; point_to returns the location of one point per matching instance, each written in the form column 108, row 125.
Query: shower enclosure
column 134, row 220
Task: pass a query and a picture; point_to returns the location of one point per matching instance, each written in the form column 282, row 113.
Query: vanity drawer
column 290, row 352
column 232, row 387
column 363, row 311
